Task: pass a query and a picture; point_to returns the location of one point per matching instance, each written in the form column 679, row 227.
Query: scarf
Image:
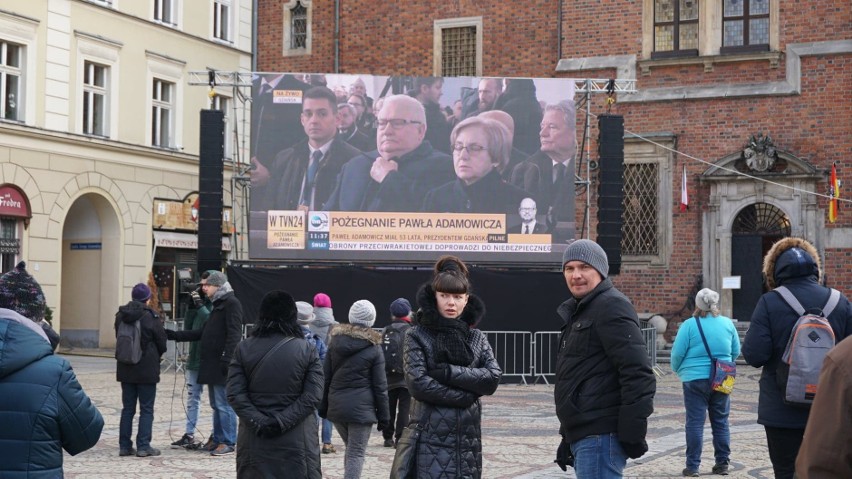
column 451, row 339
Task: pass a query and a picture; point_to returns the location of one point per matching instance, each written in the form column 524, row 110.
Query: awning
column 172, row 239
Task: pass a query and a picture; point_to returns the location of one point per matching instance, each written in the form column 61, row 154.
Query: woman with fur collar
column 449, row 365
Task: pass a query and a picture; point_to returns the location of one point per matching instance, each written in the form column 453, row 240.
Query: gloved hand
column 635, row 450
column 196, row 298
column 564, row 457
column 381, row 426
column 440, row 374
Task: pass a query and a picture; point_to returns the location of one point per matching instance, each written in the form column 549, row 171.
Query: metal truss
column 243, row 79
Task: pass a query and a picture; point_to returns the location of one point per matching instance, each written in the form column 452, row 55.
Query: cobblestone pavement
column 519, row 434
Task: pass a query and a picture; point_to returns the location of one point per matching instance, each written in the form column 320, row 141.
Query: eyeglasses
column 356, row 104
column 396, row 123
column 471, row 149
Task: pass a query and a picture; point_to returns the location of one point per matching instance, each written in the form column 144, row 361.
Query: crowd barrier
column 521, row 354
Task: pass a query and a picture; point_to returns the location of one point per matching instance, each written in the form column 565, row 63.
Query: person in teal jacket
column 692, row 365
column 43, row 409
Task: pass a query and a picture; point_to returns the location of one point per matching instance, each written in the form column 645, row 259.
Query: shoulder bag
column 723, row 373
column 405, row 460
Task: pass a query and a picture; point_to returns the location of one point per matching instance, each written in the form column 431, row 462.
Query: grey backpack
column 810, row 340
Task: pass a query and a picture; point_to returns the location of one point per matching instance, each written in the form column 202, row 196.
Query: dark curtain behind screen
column 515, row 300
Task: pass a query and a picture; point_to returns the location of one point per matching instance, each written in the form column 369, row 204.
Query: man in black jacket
column 605, row 386
column 219, row 338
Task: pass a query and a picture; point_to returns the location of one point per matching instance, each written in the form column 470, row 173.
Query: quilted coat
column 450, row 444
column 43, row 409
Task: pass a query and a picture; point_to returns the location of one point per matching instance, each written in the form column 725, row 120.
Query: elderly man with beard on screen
column 397, row 176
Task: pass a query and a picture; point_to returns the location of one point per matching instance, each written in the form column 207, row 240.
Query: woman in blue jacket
column 692, row 365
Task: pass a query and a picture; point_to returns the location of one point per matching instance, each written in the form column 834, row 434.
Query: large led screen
column 378, row 169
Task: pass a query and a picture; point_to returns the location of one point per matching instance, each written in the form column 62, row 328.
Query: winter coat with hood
column 43, row 409
column 288, row 387
column 323, row 323
column 152, row 341
column 219, row 336
column 450, row 411
column 604, row 381
column 794, row 263
column 356, row 390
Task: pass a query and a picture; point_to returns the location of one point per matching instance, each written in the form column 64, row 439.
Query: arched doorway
column 755, row 229
column 91, row 245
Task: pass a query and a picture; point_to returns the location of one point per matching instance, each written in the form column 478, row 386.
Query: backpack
column 810, row 340
column 392, row 338
column 128, row 342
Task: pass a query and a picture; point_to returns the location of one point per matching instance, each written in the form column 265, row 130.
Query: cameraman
column 196, row 316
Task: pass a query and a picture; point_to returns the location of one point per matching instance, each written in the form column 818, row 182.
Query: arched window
column 762, row 219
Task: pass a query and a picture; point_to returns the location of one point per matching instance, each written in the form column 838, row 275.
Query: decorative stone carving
column 659, row 323
column 759, row 153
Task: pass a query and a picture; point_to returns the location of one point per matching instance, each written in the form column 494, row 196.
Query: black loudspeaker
column 210, row 183
column 611, row 187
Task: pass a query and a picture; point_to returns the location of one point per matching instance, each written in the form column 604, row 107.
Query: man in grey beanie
column 605, row 386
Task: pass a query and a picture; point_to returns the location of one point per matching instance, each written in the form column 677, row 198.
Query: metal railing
column 513, row 351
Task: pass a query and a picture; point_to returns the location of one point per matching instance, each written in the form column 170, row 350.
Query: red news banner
column 355, row 231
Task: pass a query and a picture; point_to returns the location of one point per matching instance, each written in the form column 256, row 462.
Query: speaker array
column 611, row 187
column 210, row 184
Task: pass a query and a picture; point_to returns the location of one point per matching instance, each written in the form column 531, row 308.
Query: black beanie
column 21, row 293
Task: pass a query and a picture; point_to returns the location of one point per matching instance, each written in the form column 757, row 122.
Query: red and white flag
column 684, row 194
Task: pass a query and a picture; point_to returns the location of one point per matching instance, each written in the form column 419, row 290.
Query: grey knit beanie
column 362, row 312
column 305, row 313
column 707, row 300
column 588, row 252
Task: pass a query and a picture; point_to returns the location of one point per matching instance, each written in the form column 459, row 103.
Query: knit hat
column 400, row 308
column 21, row 293
column 362, row 312
column 277, row 307
column 305, row 313
column 321, row 300
column 707, row 299
column 141, row 292
column 216, row 278
column 588, row 252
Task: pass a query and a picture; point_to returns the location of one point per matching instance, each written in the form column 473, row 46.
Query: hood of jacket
column 348, row 339
column 20, row 345
column 472, row 314
column 791, row 258
column 324, row 317
column 222, row 291
column 131, row 311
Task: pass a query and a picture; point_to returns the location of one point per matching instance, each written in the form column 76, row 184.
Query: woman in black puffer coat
column 274, row 385
column 448, row 366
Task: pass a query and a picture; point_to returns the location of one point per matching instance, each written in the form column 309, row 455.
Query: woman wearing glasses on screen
column 481, row 149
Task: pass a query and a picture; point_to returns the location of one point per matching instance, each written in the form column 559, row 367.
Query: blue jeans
column 224, row 418
column 193, row 399
column 145, row 394
column 326, row 428
column 699, row 399
column 598, row 457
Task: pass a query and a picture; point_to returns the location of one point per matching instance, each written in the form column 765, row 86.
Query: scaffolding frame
column 241, row 179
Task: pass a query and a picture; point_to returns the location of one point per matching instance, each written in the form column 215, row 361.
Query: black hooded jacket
column 450, row 444
column 604, row 381
column 356, row 389
column 794, row 263
column 153, row 342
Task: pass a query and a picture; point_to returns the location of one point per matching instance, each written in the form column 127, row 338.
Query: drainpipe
column 558, row 30
column 254, row 35
column 336, row 36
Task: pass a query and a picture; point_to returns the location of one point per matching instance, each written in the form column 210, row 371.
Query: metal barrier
column 545, row 347
column 513, row 351
column 650, row 337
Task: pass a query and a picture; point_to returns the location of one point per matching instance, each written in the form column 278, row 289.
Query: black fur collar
column 472, row 314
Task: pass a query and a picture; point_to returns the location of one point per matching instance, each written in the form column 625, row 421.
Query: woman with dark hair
column 274, row 384
column 448, row 366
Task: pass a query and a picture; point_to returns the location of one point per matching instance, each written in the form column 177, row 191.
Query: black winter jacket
column 219, row 337
column 356, row 390
column 450, row 444
column 604, row 381
column 772, row 322
column 287, row 387
column 153, row 343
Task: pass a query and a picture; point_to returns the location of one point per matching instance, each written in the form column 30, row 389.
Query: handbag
column 723, row 374
column 405, row 459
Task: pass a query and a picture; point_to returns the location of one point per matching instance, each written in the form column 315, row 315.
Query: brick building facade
column 777, row 69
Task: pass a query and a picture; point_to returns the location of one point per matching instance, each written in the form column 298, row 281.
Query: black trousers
column 401, row 398
column 784, row 446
